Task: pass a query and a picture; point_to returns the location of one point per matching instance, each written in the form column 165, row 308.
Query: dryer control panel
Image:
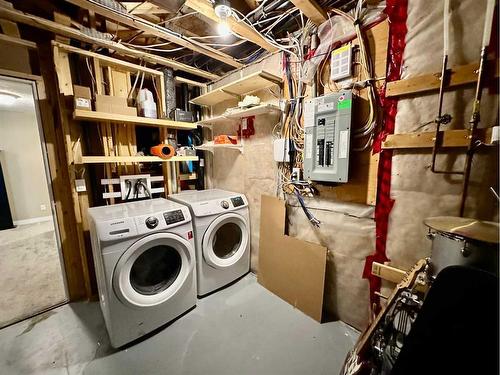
column 216, row 206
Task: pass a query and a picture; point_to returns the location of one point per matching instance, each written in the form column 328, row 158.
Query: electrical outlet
column 43, row 207
column 132, row 187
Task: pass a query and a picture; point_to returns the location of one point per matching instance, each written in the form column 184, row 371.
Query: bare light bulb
column 223, row 27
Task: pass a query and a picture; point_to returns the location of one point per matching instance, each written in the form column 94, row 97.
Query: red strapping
column 397, row 13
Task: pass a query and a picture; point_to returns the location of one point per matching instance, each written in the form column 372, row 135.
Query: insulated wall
column 418, row 192
column 347, row 229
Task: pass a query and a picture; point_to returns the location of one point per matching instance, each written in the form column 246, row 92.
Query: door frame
column 34, row 82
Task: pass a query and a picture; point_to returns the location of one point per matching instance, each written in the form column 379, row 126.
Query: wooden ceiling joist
column 156, row 30
column 17, row 41
column 54, row 27
column 206, row 9
column 312, row 10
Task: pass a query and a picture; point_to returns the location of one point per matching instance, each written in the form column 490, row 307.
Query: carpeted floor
column 30, row 271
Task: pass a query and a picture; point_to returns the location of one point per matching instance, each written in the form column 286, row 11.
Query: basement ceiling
column 173, row 30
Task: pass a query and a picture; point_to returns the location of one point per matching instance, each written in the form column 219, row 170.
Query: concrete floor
column 243, row 329
column 30, row 271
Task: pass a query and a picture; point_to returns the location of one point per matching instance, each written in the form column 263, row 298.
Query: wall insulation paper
column 419, row 193
column 291, row 268
column 348, row 231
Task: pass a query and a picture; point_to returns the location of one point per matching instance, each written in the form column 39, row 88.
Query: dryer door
column 225, row 240
column 153, row 269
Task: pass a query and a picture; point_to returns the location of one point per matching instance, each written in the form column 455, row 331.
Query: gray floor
column 30, row 271
column 243, row 329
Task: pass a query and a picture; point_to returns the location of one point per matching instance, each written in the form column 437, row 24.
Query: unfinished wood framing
column 116, row 118
column 426, row 140
column 247, row 85
column 311, row 10
column 159, row 31
column 132, row 159
column 206, row 9
column 69, row 217
column 17, row 41
column 31, row 20
column 459, row 76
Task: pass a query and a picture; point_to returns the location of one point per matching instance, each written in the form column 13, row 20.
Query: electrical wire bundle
column 367, row 131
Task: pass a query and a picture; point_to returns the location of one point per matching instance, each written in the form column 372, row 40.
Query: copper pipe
column 474, row 122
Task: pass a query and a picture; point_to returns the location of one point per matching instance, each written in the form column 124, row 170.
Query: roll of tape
column 163, row 151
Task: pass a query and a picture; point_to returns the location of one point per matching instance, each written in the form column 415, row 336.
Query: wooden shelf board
column 80, row 114
column 133, row 159
column 247, row 85
column 210, row 146
column 237, row 114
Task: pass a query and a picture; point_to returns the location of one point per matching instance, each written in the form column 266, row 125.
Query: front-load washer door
column 225, row 240
column 153, row 269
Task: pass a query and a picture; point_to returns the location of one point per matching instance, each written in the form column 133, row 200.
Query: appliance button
column 224, row 204
column 151, row 222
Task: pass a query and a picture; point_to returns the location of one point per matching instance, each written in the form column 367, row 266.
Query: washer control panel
column 151, row 222
column 173, row 217
column 237, row 201
column 224, row 204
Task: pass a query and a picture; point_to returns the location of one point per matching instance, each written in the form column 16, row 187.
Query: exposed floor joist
column 159, row 31
column 311, row 10
column 42, row 23
column 205, row 8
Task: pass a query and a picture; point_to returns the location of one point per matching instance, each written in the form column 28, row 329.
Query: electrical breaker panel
column 327, row 123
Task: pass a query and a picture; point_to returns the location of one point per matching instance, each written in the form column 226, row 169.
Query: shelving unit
column 132, row 159
column 210, row 146
column 243, row 86
column 239, row 113
column 80, row 114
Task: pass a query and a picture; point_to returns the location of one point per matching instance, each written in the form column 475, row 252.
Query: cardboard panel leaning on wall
column 418, row 192
column 291, row 268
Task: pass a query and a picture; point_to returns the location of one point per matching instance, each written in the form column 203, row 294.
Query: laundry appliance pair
column 153, row 257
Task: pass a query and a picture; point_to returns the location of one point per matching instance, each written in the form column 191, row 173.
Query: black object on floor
column 5, row 215
column 456, row 331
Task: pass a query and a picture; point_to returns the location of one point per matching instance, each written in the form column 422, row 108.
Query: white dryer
column 144, row 258
column 222, row 232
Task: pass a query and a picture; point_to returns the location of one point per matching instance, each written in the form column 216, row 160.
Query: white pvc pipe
column 446, row 28
column 488, row 22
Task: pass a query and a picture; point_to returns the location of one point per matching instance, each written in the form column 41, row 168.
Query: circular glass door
column 153, row 269
column 225, row 240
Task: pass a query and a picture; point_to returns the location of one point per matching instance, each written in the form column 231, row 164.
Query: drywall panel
column 291, row 268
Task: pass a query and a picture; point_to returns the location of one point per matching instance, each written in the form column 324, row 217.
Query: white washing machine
column 222, row 232
column 144, row 255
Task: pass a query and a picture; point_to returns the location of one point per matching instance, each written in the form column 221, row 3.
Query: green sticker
column 344, row 104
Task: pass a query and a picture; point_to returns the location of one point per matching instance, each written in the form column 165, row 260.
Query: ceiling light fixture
column 223, row 11
column 8, row 98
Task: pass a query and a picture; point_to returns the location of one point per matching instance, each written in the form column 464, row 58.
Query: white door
column 153, row 269
column 225, row 240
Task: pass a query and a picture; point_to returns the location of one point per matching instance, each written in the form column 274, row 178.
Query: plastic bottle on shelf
column 146, row 104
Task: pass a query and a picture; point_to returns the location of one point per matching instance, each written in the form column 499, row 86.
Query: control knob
column 151, row 222
column 224, row 204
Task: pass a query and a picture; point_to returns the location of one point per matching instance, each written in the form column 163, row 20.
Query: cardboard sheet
column 290, row 268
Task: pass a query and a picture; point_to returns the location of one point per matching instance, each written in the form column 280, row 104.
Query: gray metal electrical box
column 327, row 123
